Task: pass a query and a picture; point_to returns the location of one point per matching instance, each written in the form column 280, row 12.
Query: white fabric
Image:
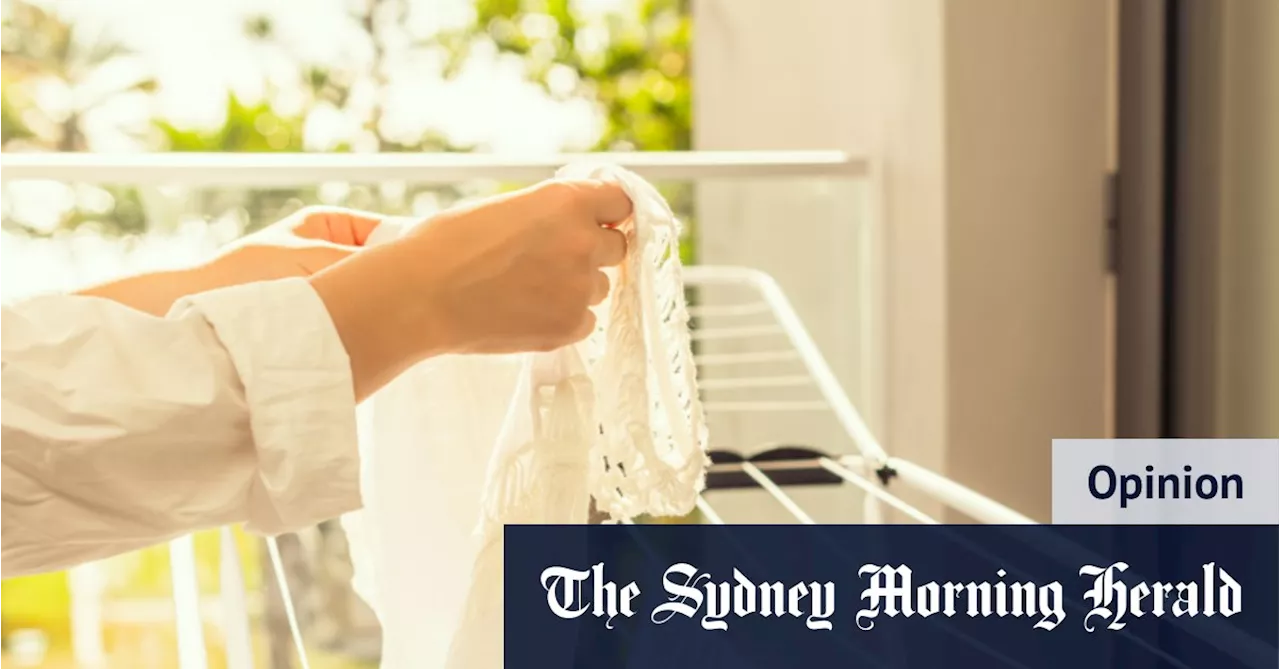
column 424, row 440
column 616, row 418
column 122, row 430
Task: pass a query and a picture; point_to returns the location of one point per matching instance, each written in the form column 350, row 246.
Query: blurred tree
column 634, row 63
column 331, row 87
column 40, row 49
column 247, row 127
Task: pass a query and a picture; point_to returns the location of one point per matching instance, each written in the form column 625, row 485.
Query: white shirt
column 122, row 430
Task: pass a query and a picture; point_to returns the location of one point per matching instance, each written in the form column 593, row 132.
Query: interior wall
column 910, row 139
column 988, row 122
column 1026, row 165
column 766, row 79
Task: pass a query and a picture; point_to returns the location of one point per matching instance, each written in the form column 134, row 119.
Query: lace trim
column 617, row 416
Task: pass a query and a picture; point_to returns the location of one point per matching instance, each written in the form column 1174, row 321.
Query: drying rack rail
column 744, row 323
column 780, row 467
column 775, row 469
column 784, row 466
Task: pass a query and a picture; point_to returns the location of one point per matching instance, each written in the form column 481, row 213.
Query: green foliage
column 39, row 46
column 127, row 214
column 246, row 128
column 12, row 126
column 636, row 67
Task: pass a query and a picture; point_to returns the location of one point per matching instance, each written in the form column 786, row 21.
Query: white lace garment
column 615, row 418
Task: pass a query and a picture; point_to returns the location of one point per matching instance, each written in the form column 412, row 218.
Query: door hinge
column 1111, row 223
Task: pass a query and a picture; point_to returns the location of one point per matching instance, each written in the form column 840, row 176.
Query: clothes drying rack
column 763, row 318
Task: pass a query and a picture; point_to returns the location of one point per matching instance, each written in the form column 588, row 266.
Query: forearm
column 378, row 317
column 155, row 293
column 365, row 295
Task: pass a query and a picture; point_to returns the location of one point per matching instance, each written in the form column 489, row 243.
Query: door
column 1197, row 335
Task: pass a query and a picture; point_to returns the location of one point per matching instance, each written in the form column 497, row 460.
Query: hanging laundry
column 533, row 438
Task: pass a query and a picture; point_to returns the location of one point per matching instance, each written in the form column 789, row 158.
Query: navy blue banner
column 897, row 596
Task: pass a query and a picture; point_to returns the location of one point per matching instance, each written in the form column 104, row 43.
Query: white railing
column 292, row 169
column 280, row 169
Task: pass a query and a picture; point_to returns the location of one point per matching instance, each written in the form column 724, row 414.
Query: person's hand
column 510, row 274
column 518, row 273
column 300, row 245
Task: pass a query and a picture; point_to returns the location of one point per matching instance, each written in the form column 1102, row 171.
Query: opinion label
column 1166, row 481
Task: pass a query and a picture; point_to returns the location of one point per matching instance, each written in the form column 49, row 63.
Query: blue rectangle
column 807, row 558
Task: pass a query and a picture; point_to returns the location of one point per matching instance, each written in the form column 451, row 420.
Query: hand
column 302, row 244
column 518, row 273
column 511, row 273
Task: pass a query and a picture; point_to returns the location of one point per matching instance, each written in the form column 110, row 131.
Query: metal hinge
column 1112, row 223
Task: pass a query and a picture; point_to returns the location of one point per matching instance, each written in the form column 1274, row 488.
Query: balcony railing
column 282, row 169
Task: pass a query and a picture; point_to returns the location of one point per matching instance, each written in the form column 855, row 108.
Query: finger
column 611, row 248
column 585, row 327
column 338, row 226
column 607, row 201
column 599, row 288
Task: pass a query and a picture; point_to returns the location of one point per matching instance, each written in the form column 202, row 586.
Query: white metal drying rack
column 771, row 471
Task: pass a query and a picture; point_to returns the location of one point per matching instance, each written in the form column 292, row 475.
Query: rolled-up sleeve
column 122, row 430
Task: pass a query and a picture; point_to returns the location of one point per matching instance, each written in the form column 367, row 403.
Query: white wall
column 989, row 117
column 1026, row 159
column 766, row 78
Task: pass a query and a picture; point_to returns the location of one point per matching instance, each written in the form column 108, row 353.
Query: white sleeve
column 122, row 430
